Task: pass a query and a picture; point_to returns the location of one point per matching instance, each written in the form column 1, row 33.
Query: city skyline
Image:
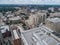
column 46, row 2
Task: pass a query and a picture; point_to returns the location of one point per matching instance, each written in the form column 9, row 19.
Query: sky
column 50, row 2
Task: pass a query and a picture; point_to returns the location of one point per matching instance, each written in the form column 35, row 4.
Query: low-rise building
column 13, row 20
column 1, row 14
column 5, row 31
column 1, row 22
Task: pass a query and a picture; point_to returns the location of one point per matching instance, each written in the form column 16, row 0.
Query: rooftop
column 15, row 34
column 57, row 34
column 31, row 31
column 1, row 22
column 15, row 18
column 45, row 38
column 54, row 20
column 55, row 14
column 29, row 34
column 3, row 28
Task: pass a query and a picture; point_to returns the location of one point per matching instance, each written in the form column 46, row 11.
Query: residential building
column 51, row 9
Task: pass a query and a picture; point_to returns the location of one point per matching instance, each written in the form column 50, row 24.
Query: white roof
column 15, row 34
column 54, row 20
column 55, row 14
column 43, row 37
column 15, row 18
column 10, row 15
column 28, row 34
column 1, row 22
column 50, row 41
column 3, row 28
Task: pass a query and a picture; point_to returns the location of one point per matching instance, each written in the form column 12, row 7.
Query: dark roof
column 56, row 34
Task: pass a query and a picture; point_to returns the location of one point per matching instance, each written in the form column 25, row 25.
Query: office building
column 16, row 37
column 39, row 36
column 43, row 38
column 35, row 19
column 56, row 14
column 54, row 24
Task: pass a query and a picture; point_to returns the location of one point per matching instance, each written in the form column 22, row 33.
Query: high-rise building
column 16, row 37
column 43, row 38
column 54, row 24
column 56, row 14
column 39, row 36
column 35, row 19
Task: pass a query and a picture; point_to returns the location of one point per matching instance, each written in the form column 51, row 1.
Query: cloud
column 30, row 2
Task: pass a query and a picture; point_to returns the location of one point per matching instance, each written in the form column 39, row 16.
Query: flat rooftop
column 1, row 22
column 28, row 34
column 15, row 18
column 55, row 14
column 4, row 28
column 54, row 20
column 45, row 38
column 15, row 34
